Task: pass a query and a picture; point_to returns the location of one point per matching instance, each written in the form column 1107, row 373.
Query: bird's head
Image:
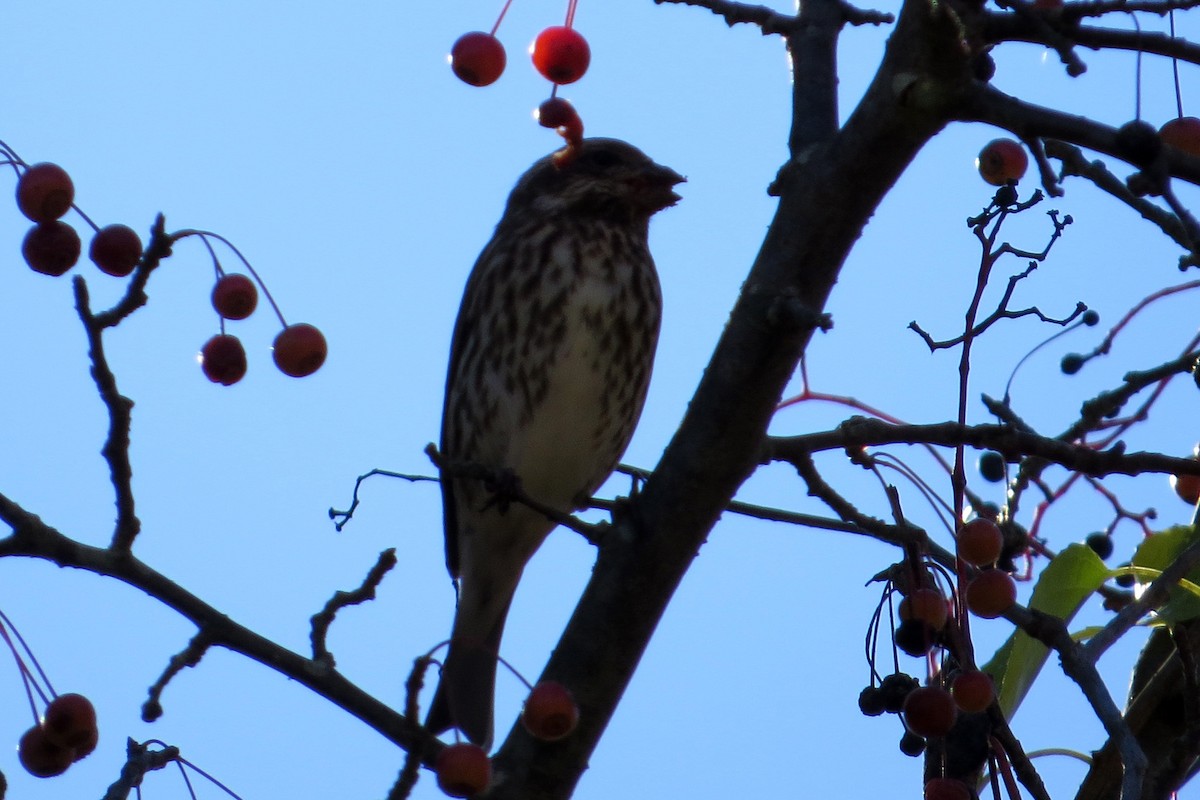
column 605, row 178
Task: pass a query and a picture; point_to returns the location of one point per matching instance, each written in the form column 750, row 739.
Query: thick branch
column 826, row 195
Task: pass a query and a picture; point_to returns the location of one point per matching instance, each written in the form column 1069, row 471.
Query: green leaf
column 1156, row 553
column 1063, row 586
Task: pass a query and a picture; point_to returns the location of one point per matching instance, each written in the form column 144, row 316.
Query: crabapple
column 45, row 192
column 991, row 593
column 478, row 58
column 41, row 757
column 223, row 359
column 550, row 712
column 116, row 250
column 929, row 711
column 973, row 690
column 51, row 248
column 299, row 350
column 463, row 769
column 947, row 789
column 927, row 605
column 1001, row 161
column 1182, row 133
column 561, row 54
column 70, row 720
column 234, row 296
column 980, row 542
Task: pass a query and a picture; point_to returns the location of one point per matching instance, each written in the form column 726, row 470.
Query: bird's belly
column 562, row 449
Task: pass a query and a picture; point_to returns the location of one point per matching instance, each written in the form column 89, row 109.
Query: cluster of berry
column 45, row 193
column 560, row 54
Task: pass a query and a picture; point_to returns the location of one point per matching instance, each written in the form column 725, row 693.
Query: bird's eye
column 604, row 159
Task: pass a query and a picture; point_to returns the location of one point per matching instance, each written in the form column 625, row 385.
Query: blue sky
column 334, row 147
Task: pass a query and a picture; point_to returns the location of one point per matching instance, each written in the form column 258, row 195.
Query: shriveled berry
column 1001, row 161
column 1101, row 543
column 1138, row 142
column 929, row 711
column 234, row 296
column 223, row 359
column 51, row 248
column 895, row 689
column 561, row 54
column 45, row 192
column 70, row 720
column 558, row 113
column 991, row 593
column 991, row 466
column 870, row 701
column 911, row 744
column 478, row 58
column 1090, row 317
column 299, row 350
column 1071, row 363
column 1125, row 580
column 41, row 757
column 980, row 542
column 116, row 250
column 550, row 712
column 463, row 770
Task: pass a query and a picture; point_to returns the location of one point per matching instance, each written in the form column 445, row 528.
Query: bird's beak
column 656, row 186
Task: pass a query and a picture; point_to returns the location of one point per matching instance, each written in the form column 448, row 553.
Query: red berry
column 234, row 296
column 991, row 593
column 561, row 54
column 947, row 789
column 1001, row 161
column 1187, row 487
column 41, row 757
column 929, row 711
column 550, row 712
column 299, row 350
column 85, row 748
column 116, row 250
column 45, row 192
column 223, row 359
column 1182, row 133
column 477, row 58
column 70, row 720
column 463, row 770
column 973, row 690
column 980, row 542
column 51, row 248
column 926, row 605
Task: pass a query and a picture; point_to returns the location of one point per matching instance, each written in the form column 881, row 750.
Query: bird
column 550, row 361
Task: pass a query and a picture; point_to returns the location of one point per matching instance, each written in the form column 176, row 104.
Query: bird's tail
column 465, row 695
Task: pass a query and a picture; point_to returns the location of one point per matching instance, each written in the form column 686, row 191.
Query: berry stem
column 27, row 678
column 1137, row 75
column 571, row 12
column 500, row 18
column 1175, row 68
column 245, row 263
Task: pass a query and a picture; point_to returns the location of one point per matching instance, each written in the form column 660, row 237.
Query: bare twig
column 767, row 19
column 324, row 618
